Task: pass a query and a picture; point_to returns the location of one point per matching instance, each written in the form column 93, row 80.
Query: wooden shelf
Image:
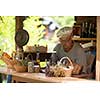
column 84, row 39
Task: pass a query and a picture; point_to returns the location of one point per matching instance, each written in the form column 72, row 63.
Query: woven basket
column 21, row 68
column 68, row 69
column 59, row 70
column 76, row 67
column 9, row 62
column 42, row 49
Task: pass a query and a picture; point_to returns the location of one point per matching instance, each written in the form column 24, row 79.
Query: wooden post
column 19, row 22
column 19, row 26
column 98, row 50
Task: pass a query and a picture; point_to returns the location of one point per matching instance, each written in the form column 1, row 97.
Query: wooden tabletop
column 37, row 77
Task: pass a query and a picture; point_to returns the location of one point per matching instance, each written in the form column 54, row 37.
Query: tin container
column 30, row 67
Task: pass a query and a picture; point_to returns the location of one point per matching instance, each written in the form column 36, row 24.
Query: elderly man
column 68, row 48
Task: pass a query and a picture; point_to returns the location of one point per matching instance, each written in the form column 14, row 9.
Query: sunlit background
column 41, row 29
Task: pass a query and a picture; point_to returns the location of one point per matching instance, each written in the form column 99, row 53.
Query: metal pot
column 21, row 37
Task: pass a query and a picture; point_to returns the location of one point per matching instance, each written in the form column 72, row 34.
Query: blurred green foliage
column 36, row 33
column 7, row 31
column 64, row 20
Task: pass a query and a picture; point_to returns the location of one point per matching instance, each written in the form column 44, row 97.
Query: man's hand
column 77, row 69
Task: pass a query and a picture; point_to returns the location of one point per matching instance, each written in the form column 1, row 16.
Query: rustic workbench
column 36, row 77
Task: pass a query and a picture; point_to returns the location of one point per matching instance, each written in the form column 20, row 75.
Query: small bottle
column 37, row 57
column 93, row 31
column 86, row 30
column 37, row 63
column 83, row 30
column 47, row 69
column 90, row 30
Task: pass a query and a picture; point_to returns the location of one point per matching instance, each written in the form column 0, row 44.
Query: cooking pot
column 21, row 37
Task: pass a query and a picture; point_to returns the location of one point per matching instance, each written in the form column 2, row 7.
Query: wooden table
column 36, row 77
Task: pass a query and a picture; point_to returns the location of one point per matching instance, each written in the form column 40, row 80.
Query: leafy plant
column 64, row 20
column 7, row 33
column 36, row 33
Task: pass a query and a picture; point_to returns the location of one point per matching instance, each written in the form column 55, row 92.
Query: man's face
column 66, row 43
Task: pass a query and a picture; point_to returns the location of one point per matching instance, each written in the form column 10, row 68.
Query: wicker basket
column 21, row 68
column 76, row 67
column 68, row 69
column 42, row 49
column 59, row 70
column 9, row 62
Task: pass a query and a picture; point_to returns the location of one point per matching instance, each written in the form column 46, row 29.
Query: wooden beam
column 98, row 50
column 19, row 22
column 19, row 26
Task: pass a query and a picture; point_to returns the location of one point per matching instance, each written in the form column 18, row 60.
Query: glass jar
column 36, row 67
column 30, row 67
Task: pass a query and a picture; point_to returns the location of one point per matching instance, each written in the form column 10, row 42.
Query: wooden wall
column 81, row 19
column 98, row 50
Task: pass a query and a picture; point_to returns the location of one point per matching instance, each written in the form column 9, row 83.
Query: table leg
column 0, row 78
